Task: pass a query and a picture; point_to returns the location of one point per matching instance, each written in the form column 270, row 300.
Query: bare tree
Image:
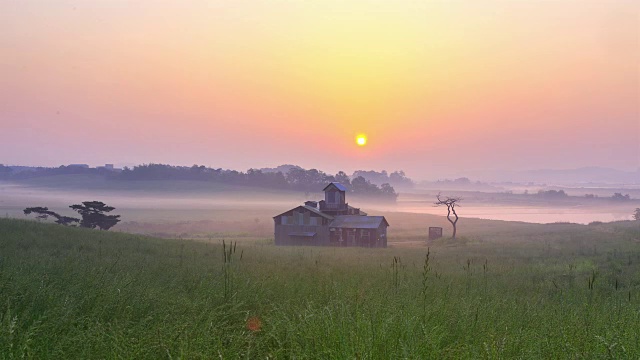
column 450, row 203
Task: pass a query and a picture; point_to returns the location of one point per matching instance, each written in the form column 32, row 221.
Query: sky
column 438, row 87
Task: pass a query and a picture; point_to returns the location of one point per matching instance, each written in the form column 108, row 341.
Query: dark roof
column 315, row 210
column 358, row 222
column 337, row 185
column 354, row 208
column 312, row 209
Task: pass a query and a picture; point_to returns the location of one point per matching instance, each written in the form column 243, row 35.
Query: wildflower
column 254, row 324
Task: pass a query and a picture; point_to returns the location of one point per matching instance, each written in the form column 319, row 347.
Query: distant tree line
column 295, row 178
column 553, row 194
column 202, row 173
column 620, row 197
column 6, row 172
column 560, row 194
column 396, row 178
column 614, row 197
column 459, row 181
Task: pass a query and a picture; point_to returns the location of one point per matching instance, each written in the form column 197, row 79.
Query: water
column 532, row 214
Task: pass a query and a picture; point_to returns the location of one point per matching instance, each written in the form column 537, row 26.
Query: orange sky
column 440, row 87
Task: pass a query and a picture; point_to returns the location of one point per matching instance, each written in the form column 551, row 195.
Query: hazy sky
column 438, row 86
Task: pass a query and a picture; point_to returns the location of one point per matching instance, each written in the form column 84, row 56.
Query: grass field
column 562, row 292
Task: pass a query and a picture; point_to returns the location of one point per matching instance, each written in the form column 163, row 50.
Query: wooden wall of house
column 382, row 235
column 357, row 237
column 325, row 237
column 282, row 237
column 300, row 220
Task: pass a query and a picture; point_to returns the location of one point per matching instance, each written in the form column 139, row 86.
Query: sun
column 361, row 140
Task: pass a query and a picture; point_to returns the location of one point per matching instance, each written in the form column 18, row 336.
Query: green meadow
column 517, row 291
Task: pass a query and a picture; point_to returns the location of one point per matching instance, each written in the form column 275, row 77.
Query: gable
column 303, row 208
column 335, row 186
column 302, row 215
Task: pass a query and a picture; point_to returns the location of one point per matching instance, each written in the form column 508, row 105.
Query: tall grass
column 76, row 293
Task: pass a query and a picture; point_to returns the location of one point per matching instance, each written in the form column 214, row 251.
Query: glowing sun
column 361, row 140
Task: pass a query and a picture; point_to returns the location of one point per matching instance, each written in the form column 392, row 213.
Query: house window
column 283, row 220
column 365, row 235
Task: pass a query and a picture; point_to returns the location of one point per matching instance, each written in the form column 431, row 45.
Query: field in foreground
column 73, row 293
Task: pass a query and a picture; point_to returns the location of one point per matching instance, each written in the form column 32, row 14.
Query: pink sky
column 439, row 87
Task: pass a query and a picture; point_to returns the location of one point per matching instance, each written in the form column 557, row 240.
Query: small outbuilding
column 435, row 233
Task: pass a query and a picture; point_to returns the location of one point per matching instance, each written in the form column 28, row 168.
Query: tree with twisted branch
column 44, row 212
column 450, row 203
column 92, row 212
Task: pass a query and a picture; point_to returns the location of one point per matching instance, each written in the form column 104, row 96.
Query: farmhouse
column 330, row 222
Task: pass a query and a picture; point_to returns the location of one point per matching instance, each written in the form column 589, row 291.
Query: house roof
column 362, row 213
column 337, row 185
column 358, row 222
column 312, row 209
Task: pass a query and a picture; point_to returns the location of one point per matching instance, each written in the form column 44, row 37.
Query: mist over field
column 216, row 209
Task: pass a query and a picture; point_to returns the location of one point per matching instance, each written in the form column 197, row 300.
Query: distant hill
column 589, row 175
column 583, row 175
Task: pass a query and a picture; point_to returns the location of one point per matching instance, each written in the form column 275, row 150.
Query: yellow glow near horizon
column 509, row 78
